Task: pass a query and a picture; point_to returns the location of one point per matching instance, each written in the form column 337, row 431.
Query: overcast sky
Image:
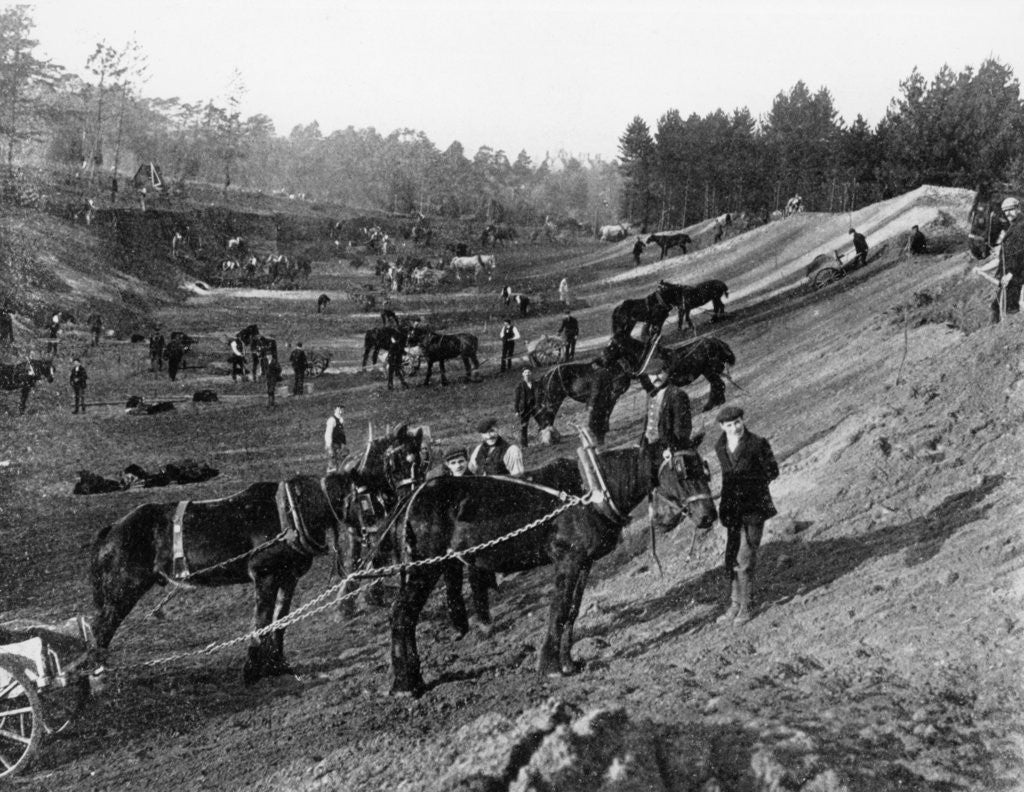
column 534, row 75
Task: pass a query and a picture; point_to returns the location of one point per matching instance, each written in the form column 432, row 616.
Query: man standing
column 156, row 351
column 748, row 465
column 860, row 247
column 509, row 335
column 570, row 331
column 563, row 292
column 396, row 355
column 335, row 443
column 668, row 417
column 298, row 362
column 96, row 326
column 322, row 302
column 255, row 356
column 494, row 456
column 6, row 326
column 237, row 359
column 526, row 406
column 54, row 332
column 918, row 244
column 175, row 352
column 78, row 381
column 638, row 248
column 273, row 377
column 1009, row 262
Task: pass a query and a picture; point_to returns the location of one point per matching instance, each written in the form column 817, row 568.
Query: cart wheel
column 63, row 704
column 826, row 276
column 547, row 357
column 21, row 719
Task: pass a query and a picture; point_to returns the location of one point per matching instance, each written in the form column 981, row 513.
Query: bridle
column 685, row 471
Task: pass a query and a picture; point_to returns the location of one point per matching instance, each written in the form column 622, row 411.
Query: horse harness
column 678, row 464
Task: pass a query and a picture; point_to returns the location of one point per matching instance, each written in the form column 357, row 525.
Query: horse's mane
column 623, row 472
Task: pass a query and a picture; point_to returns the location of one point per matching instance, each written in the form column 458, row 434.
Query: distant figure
column 113, row 188
column 142, row 198
column 79, row 378
column 6, row 327
column 526, row 405
column 273, row 377
column 174, row 352
column 237, row 359
column 396, row 354
column 255, row 355
column 299, row 362
column 860, row 247
column 719, row 232
column 176, row 242
column 389, row 318
column 918, row 243
column 1009, row 263
column 322, row 302
column 563, row 292
column 569, row 330
column 54, row 333
column 96, row 326
column 638, row 248
column 335, row 442
column 156, row 351
column 509, row 335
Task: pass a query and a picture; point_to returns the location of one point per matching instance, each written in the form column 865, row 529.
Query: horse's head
column 684, row 490
column 671, row 293
column 626, row 351
column 44, row 369
column 405, row 462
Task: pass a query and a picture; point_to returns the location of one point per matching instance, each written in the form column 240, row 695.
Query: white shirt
column 512, row 458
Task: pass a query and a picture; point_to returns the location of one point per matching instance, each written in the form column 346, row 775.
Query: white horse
column 473, row 266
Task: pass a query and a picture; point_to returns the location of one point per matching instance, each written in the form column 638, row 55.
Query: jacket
column 675, row 424
column 526, row 399
column 78, row 377
column 745, row 478
column 298, row 359
column 570, row 328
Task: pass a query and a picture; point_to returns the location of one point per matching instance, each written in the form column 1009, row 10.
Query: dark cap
column 486, row 425
column 730, row 413
column 456, row 453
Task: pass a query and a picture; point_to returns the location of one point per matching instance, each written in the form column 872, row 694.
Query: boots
column 734, row 607
column 744, row 583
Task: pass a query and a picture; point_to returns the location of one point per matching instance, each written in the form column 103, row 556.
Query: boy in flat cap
column 456, row 463
column 748, row 464
column 495, row 456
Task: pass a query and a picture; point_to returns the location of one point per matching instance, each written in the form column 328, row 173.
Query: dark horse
column 437, row 348
column 668, row 241
column 596, row 385
column 451, row 513
column 986, row 221
column 706, row 357
column 378, row 338
column 652, row 310
column 267, row 534
column 24, row 375
column 709, row 291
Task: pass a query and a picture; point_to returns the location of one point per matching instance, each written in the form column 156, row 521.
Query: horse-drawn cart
column 546, row 350
column 825, row 269
column 41, row 690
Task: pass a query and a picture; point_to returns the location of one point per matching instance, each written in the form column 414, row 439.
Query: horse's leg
column 453, row 592
column 567, row 572
column 430, row 369
column 25, row 389
column 717, row 394
column 260, row 660
column 569, row 666
column 466, row 364
column 444, row 379
column 719, row 306
column 405, row 659
column 285, row 593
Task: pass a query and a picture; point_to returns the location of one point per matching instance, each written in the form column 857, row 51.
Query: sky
column 541, row 76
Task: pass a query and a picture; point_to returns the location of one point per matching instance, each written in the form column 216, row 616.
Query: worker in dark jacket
column 748, row 465
column 918, row 243
column 668, row 416
column 156, row 351
column 638, row 248
column 570, row 331
column 299, row 362
column 860, row 247
column 79, row 378
column 174, row 352
column 396, row 356
column 273, row 377
column 526, row 405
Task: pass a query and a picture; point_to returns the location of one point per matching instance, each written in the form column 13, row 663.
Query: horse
column 709, row 291
column 521, row 300
column 986, row 221
column 495, row 233
column 613, row 233
column 473, row 266
column 267, row 534
column 668, row 241
column 652, row 310
column 24, row 375
column 598, row 386
column 437, row 348
column 375, row 339
column 457, row 513
column 706, row 357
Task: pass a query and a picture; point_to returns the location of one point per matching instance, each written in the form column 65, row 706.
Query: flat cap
column 486, row 425
column 456, row 453
column 730, row 413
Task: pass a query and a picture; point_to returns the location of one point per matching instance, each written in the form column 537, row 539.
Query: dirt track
column 887, row 654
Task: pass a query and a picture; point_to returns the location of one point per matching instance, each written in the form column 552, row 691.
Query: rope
column 319, row 604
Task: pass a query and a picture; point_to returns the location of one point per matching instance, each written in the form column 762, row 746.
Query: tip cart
column 41, row 689
column 546, row 350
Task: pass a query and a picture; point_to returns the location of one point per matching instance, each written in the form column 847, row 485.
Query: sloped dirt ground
column 886, row 655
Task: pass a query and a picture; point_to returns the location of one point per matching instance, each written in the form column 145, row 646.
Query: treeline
column 955, row 131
